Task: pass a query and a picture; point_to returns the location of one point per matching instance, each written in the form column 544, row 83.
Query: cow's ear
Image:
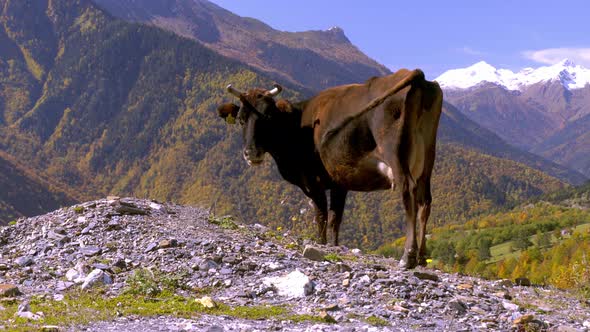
column 284, row 106
column 228, row 112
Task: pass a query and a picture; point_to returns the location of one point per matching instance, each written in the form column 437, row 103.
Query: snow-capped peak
column 572, row 76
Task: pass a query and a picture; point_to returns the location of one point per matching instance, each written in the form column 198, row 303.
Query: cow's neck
column 293, row 153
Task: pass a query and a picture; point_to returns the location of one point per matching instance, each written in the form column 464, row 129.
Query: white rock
column 294, row 284
column 365, row 279
column 273, row 266
column 156, row 206
column 72, row 275
column 356, row 251
column 586, row 324
column 29, row 315
column 81, row 220
column 509, row 306
column 97, row 277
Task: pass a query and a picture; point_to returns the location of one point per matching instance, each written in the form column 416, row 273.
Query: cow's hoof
column 408, row 262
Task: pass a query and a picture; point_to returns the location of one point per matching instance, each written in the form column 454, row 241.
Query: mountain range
column 108, row 106
column 295, row 57
column 545, row 110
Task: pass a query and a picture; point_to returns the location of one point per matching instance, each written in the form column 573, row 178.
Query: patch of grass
column 292, row 246
column 273, row 235
column 377, row 321
column 333, row 257
column 225, row 222
column 79, row 209
column 296, row 318
column 80, row 308
column 12, row 223
column 152, row 283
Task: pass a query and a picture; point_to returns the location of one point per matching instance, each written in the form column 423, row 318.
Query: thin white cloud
column 551, row 56
column 470, row 51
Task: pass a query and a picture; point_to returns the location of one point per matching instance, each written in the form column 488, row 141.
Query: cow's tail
column 416, row 76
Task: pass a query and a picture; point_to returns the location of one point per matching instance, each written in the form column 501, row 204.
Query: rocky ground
column 107, row 243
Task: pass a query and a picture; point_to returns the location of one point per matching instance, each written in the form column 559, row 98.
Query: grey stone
column 168, row 243
column 96, row 277
column 341, row 267
column 57, row 237
column 426, row 276
column 130, row 210
column 90, row 251
column 151, row 247
column 522, row 282
column 207, row 265
column 314, row 254
column 458, row 307
column 510, row 306
column 24, row 306
column 113, row 225
column 28, row 315
column 24, row 261
column 326, row 317
column 119, row 262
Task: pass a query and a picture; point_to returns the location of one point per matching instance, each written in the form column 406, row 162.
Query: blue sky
column 441, row 35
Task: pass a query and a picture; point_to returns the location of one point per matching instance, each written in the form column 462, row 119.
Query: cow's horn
column 276, row 90
column 233, row 91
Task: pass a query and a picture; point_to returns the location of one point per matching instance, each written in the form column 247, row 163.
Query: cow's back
column 331, row 107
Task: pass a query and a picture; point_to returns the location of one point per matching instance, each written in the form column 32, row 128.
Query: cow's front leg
column 320, row 204
column 409, row 258
column 337, row 202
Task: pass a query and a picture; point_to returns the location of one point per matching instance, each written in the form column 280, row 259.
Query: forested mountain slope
column 310, row 59
column 25, row 193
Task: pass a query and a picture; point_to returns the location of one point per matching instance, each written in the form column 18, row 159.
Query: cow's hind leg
column 408, row 191
column 337, row 202
column 424, row 199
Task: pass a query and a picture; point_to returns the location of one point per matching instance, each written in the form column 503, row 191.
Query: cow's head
column 260, row 117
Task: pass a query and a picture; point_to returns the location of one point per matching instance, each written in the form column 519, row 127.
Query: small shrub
column 143, row 282
column 225, row 222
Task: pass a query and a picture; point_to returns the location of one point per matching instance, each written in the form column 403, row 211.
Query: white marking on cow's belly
column 385, row 170
column 417, row 157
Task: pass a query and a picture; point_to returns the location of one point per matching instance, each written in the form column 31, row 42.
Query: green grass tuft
column 225, row 222
column 332, row 257
column 377, row 321
column 80, row 308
